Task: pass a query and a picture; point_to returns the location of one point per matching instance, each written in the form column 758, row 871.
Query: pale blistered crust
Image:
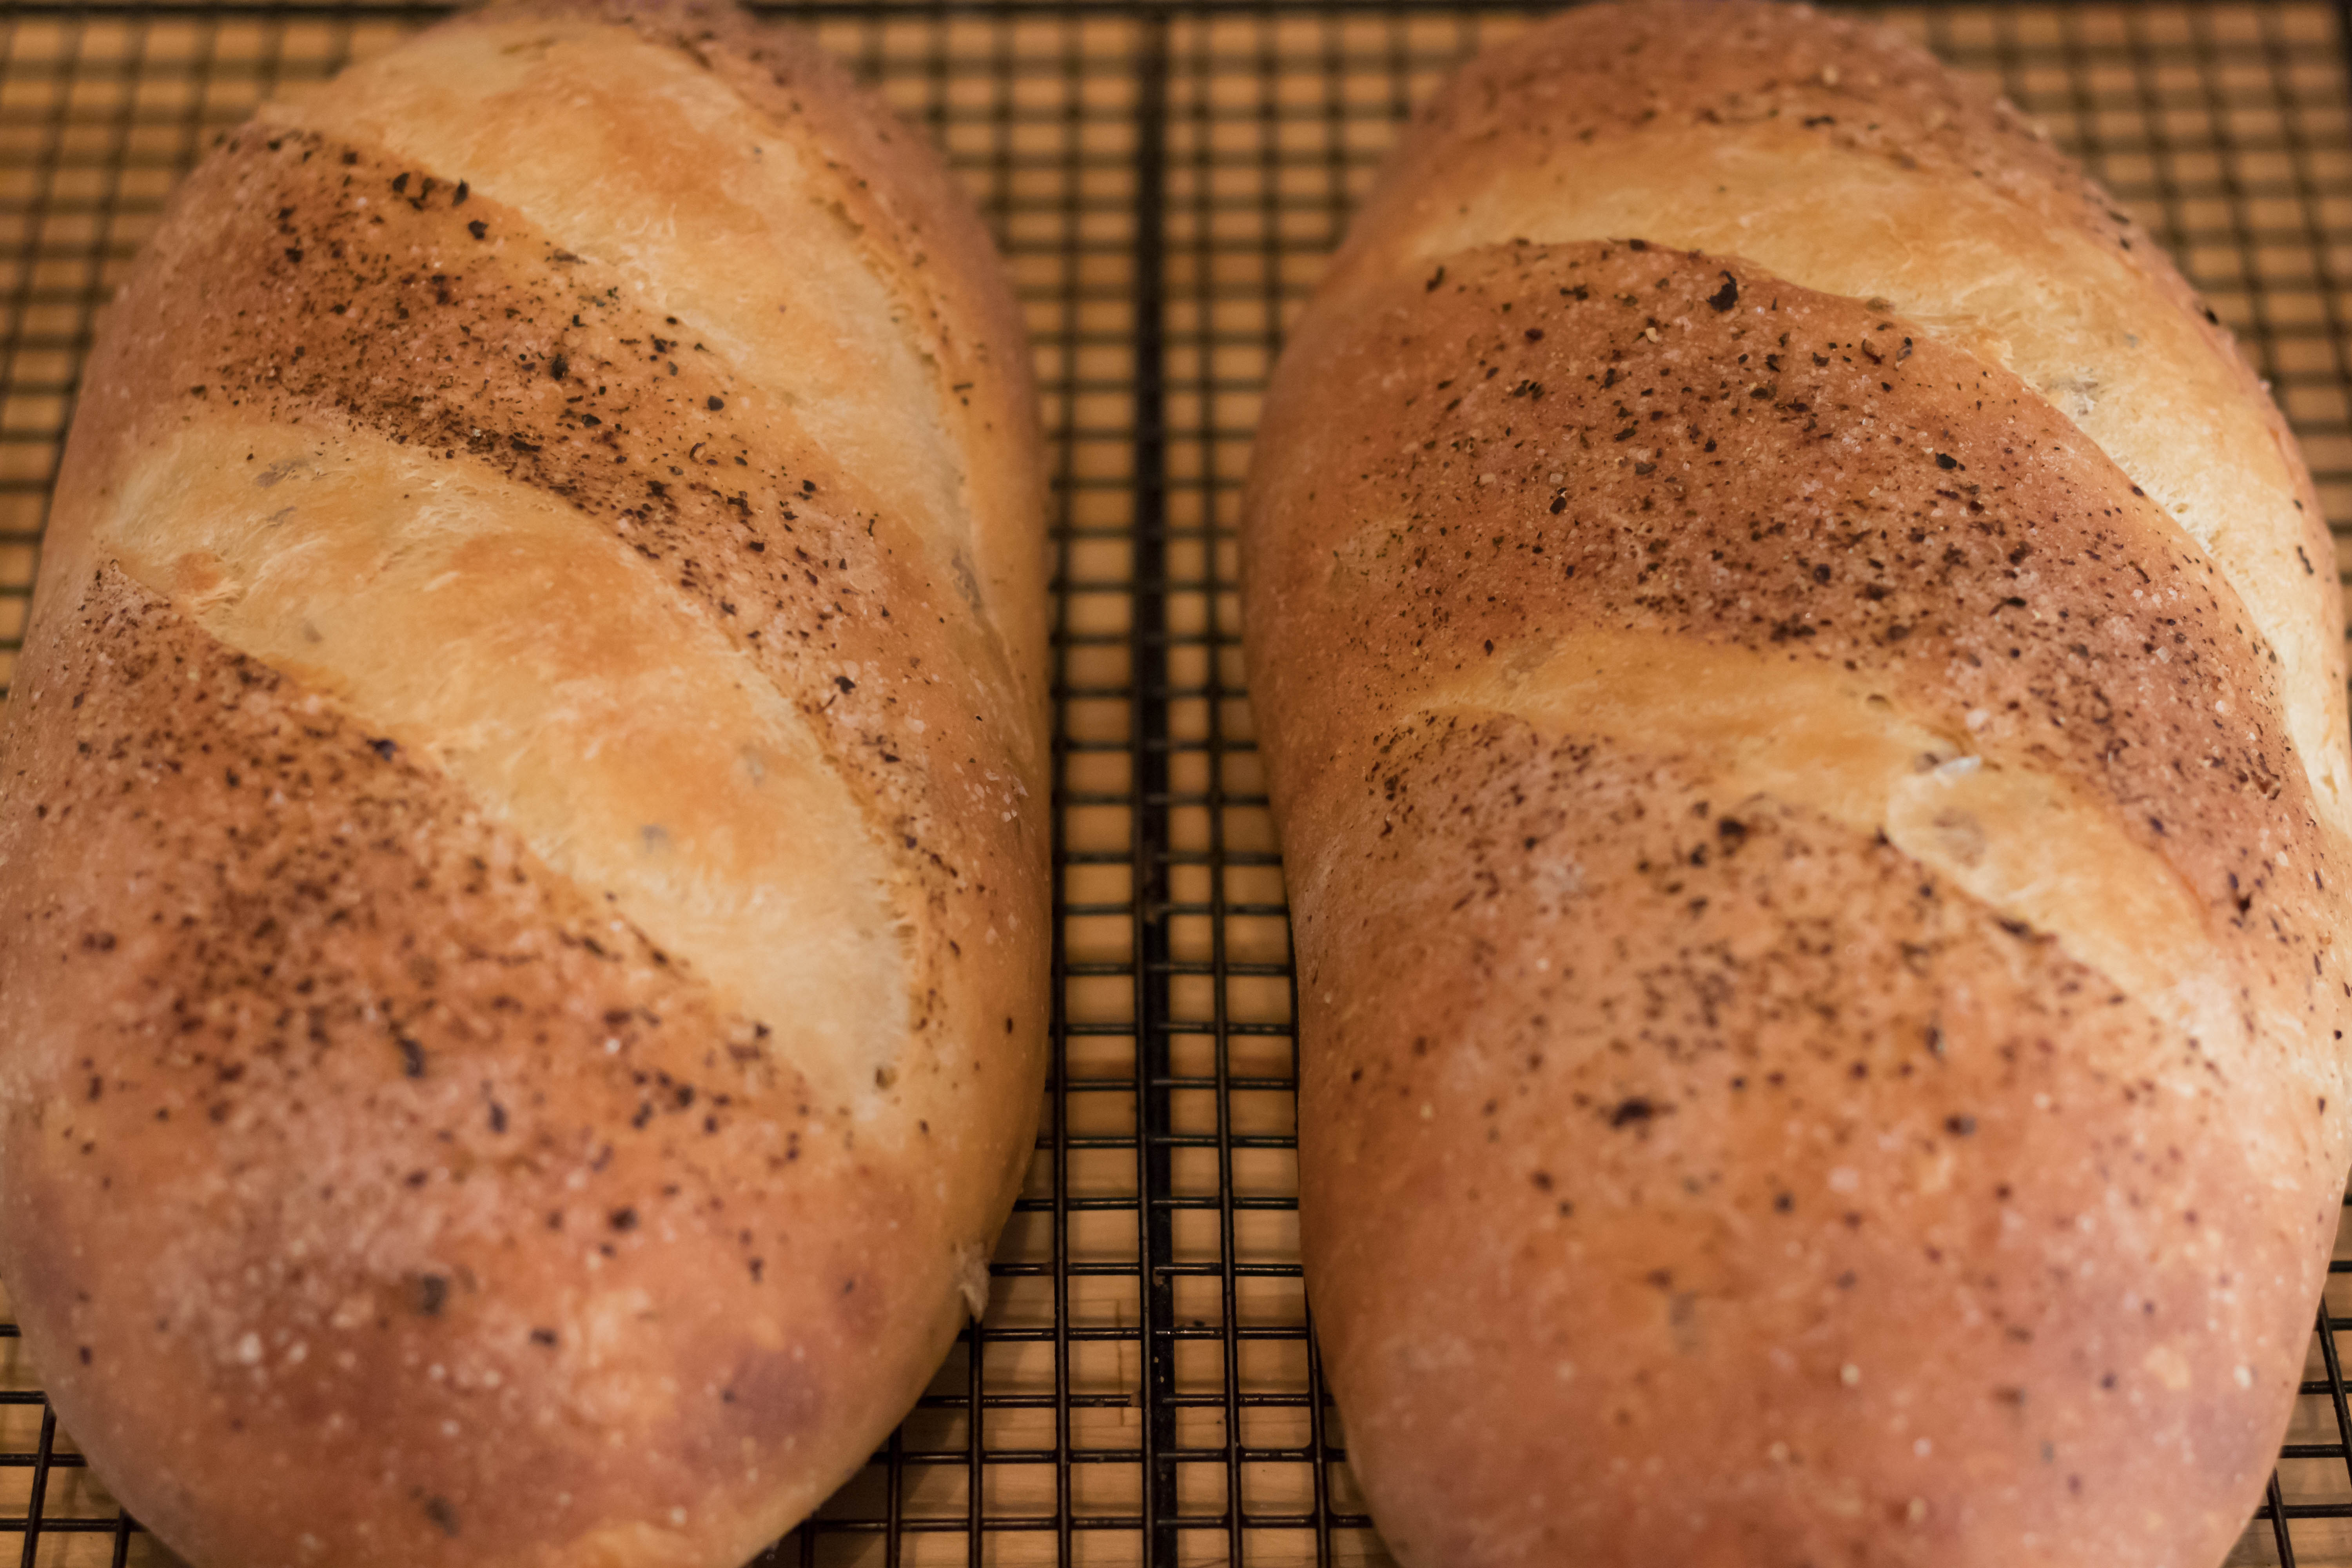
column 1642, row 1102
column 432, row 1104
column 1839, row 156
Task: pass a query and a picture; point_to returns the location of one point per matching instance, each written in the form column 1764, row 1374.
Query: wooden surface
column 2222, row 127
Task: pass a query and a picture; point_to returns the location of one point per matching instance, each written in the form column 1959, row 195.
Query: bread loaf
column 1801, row 679
column 523, row 818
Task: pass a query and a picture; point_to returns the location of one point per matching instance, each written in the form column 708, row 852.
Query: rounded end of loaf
column 400, row 1400
column 1841, row 1221
column 526, row 1016
column 509, row 1241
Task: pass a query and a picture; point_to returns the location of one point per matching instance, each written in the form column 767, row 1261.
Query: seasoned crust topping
column 1839, row 158
column 1654, row 1131
column 343, row 1081
column 732, row 172
column 1786, row 844
column 477, row 1219
column 358, row 294
column 1550, row 442
column 377, row 309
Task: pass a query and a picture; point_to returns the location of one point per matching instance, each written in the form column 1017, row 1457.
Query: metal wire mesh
column 1165, row 179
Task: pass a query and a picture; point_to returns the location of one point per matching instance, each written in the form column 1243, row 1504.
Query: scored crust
column 1804, row 693
column 1840, row 157
column 426, row 1139
column 371, row 1194
column 1664, row 671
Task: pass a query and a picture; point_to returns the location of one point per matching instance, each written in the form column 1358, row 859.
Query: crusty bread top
column 837, row 264
column 802, row 593
column 1620, row 490
column 1839, row 157
column 1793, row 860
column 1809, row 744
column 523, row 821
column 374, row 1194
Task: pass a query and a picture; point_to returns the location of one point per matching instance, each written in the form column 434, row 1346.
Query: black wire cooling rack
column 1166, row 179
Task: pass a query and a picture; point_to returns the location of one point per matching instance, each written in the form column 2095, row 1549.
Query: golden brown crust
column 837, row 251
column 919, row 225
column 393, row 1176
column 1813, row 888
column 1749, row 464
column 1838, row 156
column 1798, row 1211
column 1663, row 1059
column 1615, row 73
column 367, row 1183
column 396, row 322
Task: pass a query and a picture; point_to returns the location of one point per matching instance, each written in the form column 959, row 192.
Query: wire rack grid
column 1165, row 179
